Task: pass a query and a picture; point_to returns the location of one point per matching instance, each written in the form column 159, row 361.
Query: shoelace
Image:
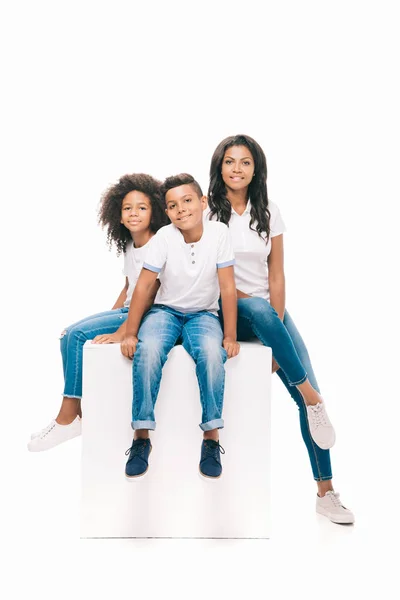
column 137, row 448
column 318, row 415
column 212, row 450
column 334, row 496
column 46, row 430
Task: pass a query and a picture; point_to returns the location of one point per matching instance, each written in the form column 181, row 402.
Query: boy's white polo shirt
column 188, row 272
column 251, row 251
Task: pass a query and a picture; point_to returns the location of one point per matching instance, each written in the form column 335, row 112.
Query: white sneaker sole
column 339, row 519
column 36, row 447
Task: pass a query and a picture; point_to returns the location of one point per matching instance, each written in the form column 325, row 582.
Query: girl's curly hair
column 111, row 203
column 257, row 192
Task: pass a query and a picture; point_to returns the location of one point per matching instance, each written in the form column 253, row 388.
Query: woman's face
column 237, row 167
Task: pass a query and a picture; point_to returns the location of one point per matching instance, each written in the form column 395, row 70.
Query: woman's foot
column 54, row 434
column 331, row 507
column 321, row 428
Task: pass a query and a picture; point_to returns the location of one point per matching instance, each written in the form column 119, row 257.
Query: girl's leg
column 66, row 425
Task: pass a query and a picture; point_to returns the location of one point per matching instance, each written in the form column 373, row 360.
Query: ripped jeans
column 73, row 338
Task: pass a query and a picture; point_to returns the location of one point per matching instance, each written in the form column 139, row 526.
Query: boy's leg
column 158, row 333
column 202, row 339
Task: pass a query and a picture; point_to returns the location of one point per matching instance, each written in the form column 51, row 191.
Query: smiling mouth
column 134, row 222
column 236, row 177
column 184, row 218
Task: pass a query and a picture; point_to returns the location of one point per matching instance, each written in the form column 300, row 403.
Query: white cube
column 172, row 500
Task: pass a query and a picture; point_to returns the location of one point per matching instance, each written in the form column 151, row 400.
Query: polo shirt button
column 193, row 261
column 192, row 246
column 192, row 253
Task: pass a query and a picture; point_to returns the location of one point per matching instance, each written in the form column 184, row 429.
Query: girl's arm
column 227, row 286
column 276, row 276
column 122, row 297
column 141, row 301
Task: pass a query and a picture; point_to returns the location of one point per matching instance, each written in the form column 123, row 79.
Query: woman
column 238, row 197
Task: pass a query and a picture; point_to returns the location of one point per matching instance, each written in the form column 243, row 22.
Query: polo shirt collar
column 246, row 210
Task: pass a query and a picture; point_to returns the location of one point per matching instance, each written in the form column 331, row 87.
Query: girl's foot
column 54, row 434
column 331, row 507
column 321, row 428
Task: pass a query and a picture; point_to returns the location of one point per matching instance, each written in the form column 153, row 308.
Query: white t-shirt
column 133, row 263
column 188, row 272
column 251, row 251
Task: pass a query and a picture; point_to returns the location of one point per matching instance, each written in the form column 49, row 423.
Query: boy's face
column 185, row 207
column 136, row 212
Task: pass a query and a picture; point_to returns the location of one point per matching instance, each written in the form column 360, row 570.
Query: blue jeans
column 201, row 336
column 72, row 341
column 256, row 317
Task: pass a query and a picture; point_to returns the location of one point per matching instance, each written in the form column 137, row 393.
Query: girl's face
column 237, row 167
column 136, row 212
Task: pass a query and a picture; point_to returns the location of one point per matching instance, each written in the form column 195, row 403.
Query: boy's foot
column 210, row 459
column 138, row 461
column 330, row 506
column 54, row 434
column 321, row 428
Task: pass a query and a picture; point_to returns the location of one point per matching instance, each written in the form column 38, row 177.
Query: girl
column 238, row 197
column 132, row 211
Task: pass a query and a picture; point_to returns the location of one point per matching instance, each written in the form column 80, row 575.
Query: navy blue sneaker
column 138, row 461
column 210, row 459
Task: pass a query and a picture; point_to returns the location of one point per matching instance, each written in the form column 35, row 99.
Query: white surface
column 95, row 90
column 172, row 499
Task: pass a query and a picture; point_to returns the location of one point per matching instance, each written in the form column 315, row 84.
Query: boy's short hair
column 178, row 180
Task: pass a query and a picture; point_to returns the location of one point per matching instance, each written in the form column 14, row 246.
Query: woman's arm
column 227, row 287
column 276, row 276
column 122, row 297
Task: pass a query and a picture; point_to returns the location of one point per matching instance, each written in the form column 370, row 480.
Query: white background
column 94, row 90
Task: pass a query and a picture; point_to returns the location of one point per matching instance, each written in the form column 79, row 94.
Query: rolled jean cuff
column 214, row 424
column 143, row 425
column 294, row 383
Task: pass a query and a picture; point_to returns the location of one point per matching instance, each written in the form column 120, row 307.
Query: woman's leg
column 259, row 316
column 320, row 459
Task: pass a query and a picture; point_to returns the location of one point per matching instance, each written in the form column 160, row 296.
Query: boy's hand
column 108, row 338
column 231, row 346
column 128, row 345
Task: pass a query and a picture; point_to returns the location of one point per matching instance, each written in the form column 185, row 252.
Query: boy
column 194, row 261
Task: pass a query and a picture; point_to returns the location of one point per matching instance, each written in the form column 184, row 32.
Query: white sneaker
column 330, row 506
column 54, row 434
column 321, row 428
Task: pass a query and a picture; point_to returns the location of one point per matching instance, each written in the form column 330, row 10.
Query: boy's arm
column 141, row 301
column 227, row 286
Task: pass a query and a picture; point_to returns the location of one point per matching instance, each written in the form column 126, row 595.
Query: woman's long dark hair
column 257, row 191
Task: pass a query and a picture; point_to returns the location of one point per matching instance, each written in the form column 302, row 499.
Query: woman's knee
column 256, row 308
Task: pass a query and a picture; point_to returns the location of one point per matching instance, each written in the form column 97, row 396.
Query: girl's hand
column 108, row 338
column 232, row 347
column 128, row 345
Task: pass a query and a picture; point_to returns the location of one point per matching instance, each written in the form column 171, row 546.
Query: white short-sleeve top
column 133, row 263
column 188, row 272
column 251, row 251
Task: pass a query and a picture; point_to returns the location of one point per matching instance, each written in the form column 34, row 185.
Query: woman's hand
column 231, row 346
column 128, row 345
column 108, row 338
column 275, row 366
